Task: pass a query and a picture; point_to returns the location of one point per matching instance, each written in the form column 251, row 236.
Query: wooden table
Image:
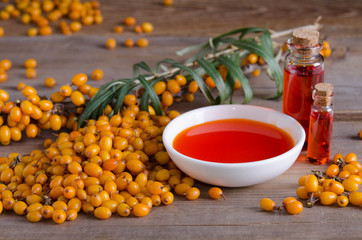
column 187, row 23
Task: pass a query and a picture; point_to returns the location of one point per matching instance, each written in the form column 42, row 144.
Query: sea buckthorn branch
column 222, row 66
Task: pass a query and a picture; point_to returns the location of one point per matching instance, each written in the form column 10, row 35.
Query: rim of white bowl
column 169, row 147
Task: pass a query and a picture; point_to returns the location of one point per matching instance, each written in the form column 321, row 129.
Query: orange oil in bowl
column 233, row 141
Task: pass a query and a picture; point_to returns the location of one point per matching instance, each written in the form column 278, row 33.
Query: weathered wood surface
column 184, row 24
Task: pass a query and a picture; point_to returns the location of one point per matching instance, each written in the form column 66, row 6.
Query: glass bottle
column 303, row 69
column 321, row 124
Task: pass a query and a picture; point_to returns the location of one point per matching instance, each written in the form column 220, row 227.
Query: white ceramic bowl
column 234, row 174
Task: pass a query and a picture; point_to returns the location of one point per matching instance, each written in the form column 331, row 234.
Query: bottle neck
column 304, row 52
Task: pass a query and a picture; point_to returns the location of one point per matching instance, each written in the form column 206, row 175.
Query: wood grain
column 187, row 23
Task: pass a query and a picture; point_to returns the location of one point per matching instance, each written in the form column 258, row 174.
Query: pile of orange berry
column 130, row 22
column 339, row 184
column 115, row 164
column 42, row 13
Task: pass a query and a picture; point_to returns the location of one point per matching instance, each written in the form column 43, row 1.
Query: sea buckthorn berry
column 147, row 27
column 167, row 98
column 142, row 42
column 256, row 72
column 30, row 63
column 355, row 198
column 210, row 82
column 77, row 98
column 45, row 105
column 59, row 216
column 65, row 90
column 118, row 29
column 328, row 198
column 15, row 114
column 130, row 100
column 358, row 165
column 97, row 74
column 111, row 43
column 192, row 193
column 332, row 170
column 50, row 82
column 5, row 64
column 301, row 180
column 55, row 122
column 137, row 29
column 311, row 183
column 140, row 210
column 180, row 189
column 193, row 87
column 342, row 200
column 102, row 213
column 5, row 135
column 129, row 21
column 92, row 150
column 294, row 208
column 351, row 168
column 124, row 210
column 252, row 58
column 47, row 211
column 350, row 185
column 155, row 188
column 4, row 96
column 288, row 200
column 335, row 187
column 350, row 157
column 181, row 80
column 3, row 76
column 129, row 42
column 215, row 193
column 173, row 86
column 93, row 169
column 344, row 174
column 26, row 107
column 45, row 30
column 336, row 157
column 79, row 79
column 355, row 178
column 34, row 216
column 75, row 26
column 33, row 32
column 302, row 192
column 159, row 87
column 267, row 204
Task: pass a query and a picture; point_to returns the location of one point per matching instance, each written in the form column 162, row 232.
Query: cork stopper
column 323, row 94
column 305, row 37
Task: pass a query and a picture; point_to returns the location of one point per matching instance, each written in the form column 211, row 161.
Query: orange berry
column 130, row 21
column 142, row 42
column 111, row 43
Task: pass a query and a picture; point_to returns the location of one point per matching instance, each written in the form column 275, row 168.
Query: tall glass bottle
column 321, row 124
column 303, row 69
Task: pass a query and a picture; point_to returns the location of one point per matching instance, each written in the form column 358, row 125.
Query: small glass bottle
column 303, row 68
column 321, row 124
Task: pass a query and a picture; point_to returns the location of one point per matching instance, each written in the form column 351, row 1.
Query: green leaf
column 154, row 98
column 96, row 102
column 236, row 73
column 202, row 85
column 216, row 77
column 125, row 89
column 138, row 66
column 252, row 46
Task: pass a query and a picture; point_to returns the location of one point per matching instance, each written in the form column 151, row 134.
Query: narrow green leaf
column 125, row 89
column 96, row 103
column 236, row 72
column 202, row 85
column 154, row 98
column 216, row 77
column 252, row 46
column 145, row 96
column 138, row 66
